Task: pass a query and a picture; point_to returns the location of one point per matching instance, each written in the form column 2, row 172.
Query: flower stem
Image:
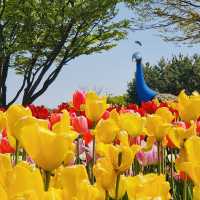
column 77, row 152
column 159, row 157
column 23, row 155
column 171, row 172
column 118, row 177
column 17, row 152
column 47, row 176
column 107, row 195
column 93, row 160
column 185, row 190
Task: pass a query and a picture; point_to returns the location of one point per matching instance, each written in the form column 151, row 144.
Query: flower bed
column 89, row 150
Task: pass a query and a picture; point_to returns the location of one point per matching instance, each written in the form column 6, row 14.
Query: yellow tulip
column 192, row 170
column 132, row 123
column 71, row 177
column 70, row 155
column 63, row 125
column 53, row 194
column 192, row 147
column 188, row 106
column 106, row 131
column 2, row 120
column 102, row 149
column 22, row 179
column 20, row 182
column 121, row 189
column 178, row 134
column 150, row 186
column 95, row 106
column 189, row 159
column 122, row 136
column 196, row 193
column 89, row 192
column 165, row 113
column 46, row 148
column 104, row 173
column 156, row 126
column 14, row 113
column 3, row 193
column 5, row 167
column 115, row 116
column 122, row 156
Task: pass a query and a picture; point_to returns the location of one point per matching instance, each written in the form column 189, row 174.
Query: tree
column 177, row 20
column 117, row 100
column 38, row 38
column 170, row 76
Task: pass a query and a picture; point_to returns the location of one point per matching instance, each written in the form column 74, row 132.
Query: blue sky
column 109, row 71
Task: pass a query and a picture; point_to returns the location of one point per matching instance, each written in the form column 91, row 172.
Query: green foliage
column 170, row 76
column 119, row 100
column 131, row 92
column 39, row 37
column 177, row 20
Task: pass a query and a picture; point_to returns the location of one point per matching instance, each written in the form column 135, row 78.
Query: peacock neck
column 144, row 93
column 140, row 75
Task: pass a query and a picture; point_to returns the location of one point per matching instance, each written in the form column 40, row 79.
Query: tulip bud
column 78, row 99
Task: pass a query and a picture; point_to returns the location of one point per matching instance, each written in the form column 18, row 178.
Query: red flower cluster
column 4, row 144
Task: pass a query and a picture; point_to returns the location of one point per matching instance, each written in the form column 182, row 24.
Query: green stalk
column 93, row 160
column 78, row 161
column 185, row 190
column 171, row 172
column 17, row 152
column 159, row 157
column 118, row 177
column 24, row 155
column 47, row 176
column 107, row 195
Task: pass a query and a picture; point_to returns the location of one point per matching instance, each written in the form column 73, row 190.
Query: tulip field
column 87, row 149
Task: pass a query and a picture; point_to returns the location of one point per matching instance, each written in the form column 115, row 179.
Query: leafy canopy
column 39, row 37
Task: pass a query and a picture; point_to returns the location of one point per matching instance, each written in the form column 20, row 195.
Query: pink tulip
column 78, row 99
column 147, row 158
column 80, row 124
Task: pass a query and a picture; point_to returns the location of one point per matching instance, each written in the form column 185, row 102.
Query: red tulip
column 78, row 99
column 4, row 144
column 105, row 115
column 39, row 112
column 150, row 107
column 54, row 118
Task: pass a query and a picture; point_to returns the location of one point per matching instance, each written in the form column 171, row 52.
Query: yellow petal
column 3, row 120
column 192, row 147
column 138, row 187
column 46, row 148
column 104, row 173
column 22, row 179
column 63, row 125
column 95, row 106
column 5, row 167
column 165, row 113
column 196, row 193
column 14, row 113
column 53, row 194
column 106, row 131
column 71, row 178
column 3, row 193
column 132, row 123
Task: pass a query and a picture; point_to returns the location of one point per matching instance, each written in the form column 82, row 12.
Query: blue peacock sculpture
column 143, row 92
